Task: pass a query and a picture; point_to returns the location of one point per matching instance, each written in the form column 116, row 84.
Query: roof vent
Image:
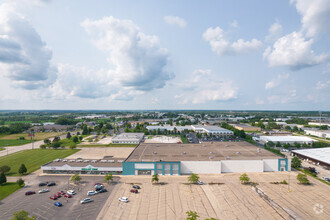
column 211, row 158
column 211, row 152
column 184, row 153
column 154, row 152
column 227, row 158
column 238, row 152
column 227, row 145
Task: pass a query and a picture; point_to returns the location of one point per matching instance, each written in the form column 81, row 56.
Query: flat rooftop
column 128, row 136
column 109, row 162
column 320, row 154
column 286, row 138
column 199, row 152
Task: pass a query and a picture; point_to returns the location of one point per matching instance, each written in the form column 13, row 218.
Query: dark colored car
column 67, row 195
column 102, row 191
column 51, row 184
column 134, row 191
column 30, row 193
column 136, row 187
column 42, row 184
column 53, row 197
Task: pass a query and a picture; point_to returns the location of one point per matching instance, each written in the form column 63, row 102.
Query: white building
column 287, row 139
column 128, row 138
column 169, row 128
column 211, row 130
column 320, row 156
column 318, row 133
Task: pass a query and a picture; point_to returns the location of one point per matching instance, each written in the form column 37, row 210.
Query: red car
column 58, row 195
column 67, row 195
column 53, row 197
column 30, row 193
column 61, row 192
column 134, row 191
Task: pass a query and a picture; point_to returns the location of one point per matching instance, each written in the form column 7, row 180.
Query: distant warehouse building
column 244, row 127
column 287, row 139
column 84, row 166
column 128, row 138
column 318, row 133
column 320, row 156
column 168, row 128
column 220, row 157
column 214, row 130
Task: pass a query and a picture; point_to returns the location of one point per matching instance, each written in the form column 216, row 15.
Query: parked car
column 91, row 193
column 98, row 187
column 86, row 200
column 200, row 182
column 134, row 191
column 30, row 193
column 123, row 199
column 53, row 197
column 51, row 184
column 102, row 191
column 67, row 195
column 95, row 184
column 58, row 195
column 71, row 192
column 43, row 190
column 61, row 192
column 58, row 204
column 136, row 187
column 42, row 184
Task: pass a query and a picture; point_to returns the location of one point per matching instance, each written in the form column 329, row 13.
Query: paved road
column 14, row 149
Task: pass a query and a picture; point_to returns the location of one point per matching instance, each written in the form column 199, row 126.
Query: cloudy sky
column 189, row 54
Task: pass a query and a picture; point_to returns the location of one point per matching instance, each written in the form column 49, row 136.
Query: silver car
column 43, row 190
column 86, row 200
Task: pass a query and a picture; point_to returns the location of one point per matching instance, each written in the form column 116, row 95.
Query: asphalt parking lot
column 41, row 206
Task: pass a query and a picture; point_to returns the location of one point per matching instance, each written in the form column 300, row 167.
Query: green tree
column 155, row 178
column 80, row 138
column 295, row 162
column 244, row 179
column 193, row 178
column 75, row 178
column 68, row 135
column 56, row 139
column 73, row 146
column 43, row 146
column 191, row 215
column 20, row 182
column 278, row 144
column 75, row 139
column 323, row 127
column 22, row 215
column 56, row 145
column 3, row 178
column 302, row 178
column 46, row 141
column 4, row 169
column 22, row 169
column 108, row 177
column 85, row 130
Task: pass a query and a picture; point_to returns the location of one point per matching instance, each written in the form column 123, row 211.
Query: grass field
column 32, row 159
column 8, row 188
column 1, row 148
column 38, row 136
column 11, row 142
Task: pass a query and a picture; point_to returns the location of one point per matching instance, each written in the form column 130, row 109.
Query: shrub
column 20, row 182
column 244, row 178
column 4, row 169
column 43, row 146
column 302, row 178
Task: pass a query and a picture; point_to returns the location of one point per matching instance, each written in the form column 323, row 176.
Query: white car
column 200, row 182
column 43, row 190
column 71, row 192
column 91, row 193
column 123, row 199
column 86, row 200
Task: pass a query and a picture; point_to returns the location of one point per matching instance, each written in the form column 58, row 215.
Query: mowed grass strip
column 33, row 159
column 8, row 188
column 11, row 142
column 37, row 136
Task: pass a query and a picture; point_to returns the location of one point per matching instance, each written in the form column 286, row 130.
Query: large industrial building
column 320, row 156
column 287, row 139
column 214, row 130
column 128, row 138
column 245, row 127
column 206, row 158
column 318, row 133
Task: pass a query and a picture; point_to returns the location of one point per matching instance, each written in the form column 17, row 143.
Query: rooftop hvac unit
column 86, row 161
column 94, row 161
column 238, row 152
column 184, row 153
column 120, row 161
column 211, row 158
column 227, row 145
column 111, row 161
column 227, row 158
column 103, row 161
column 154, row 152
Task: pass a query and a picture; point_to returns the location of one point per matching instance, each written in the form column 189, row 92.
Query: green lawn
column 8, row 188
column 10, row 142
column 32, row 159
column 1, row 148
column 37, row 136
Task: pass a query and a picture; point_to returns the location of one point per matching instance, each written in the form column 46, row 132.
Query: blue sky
column 243, row 55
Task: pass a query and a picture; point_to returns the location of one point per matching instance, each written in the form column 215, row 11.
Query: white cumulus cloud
column 315, row 15
column 24, row 57
column 138, row 59
column 293, row 50
column 175, row 20
column 275, row 31
column 222, row 46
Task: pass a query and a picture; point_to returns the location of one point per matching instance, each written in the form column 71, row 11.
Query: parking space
column 191, row 137
column 41, row 206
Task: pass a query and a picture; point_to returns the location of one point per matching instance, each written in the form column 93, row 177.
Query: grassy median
column 8, row 188
column 32, row 159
